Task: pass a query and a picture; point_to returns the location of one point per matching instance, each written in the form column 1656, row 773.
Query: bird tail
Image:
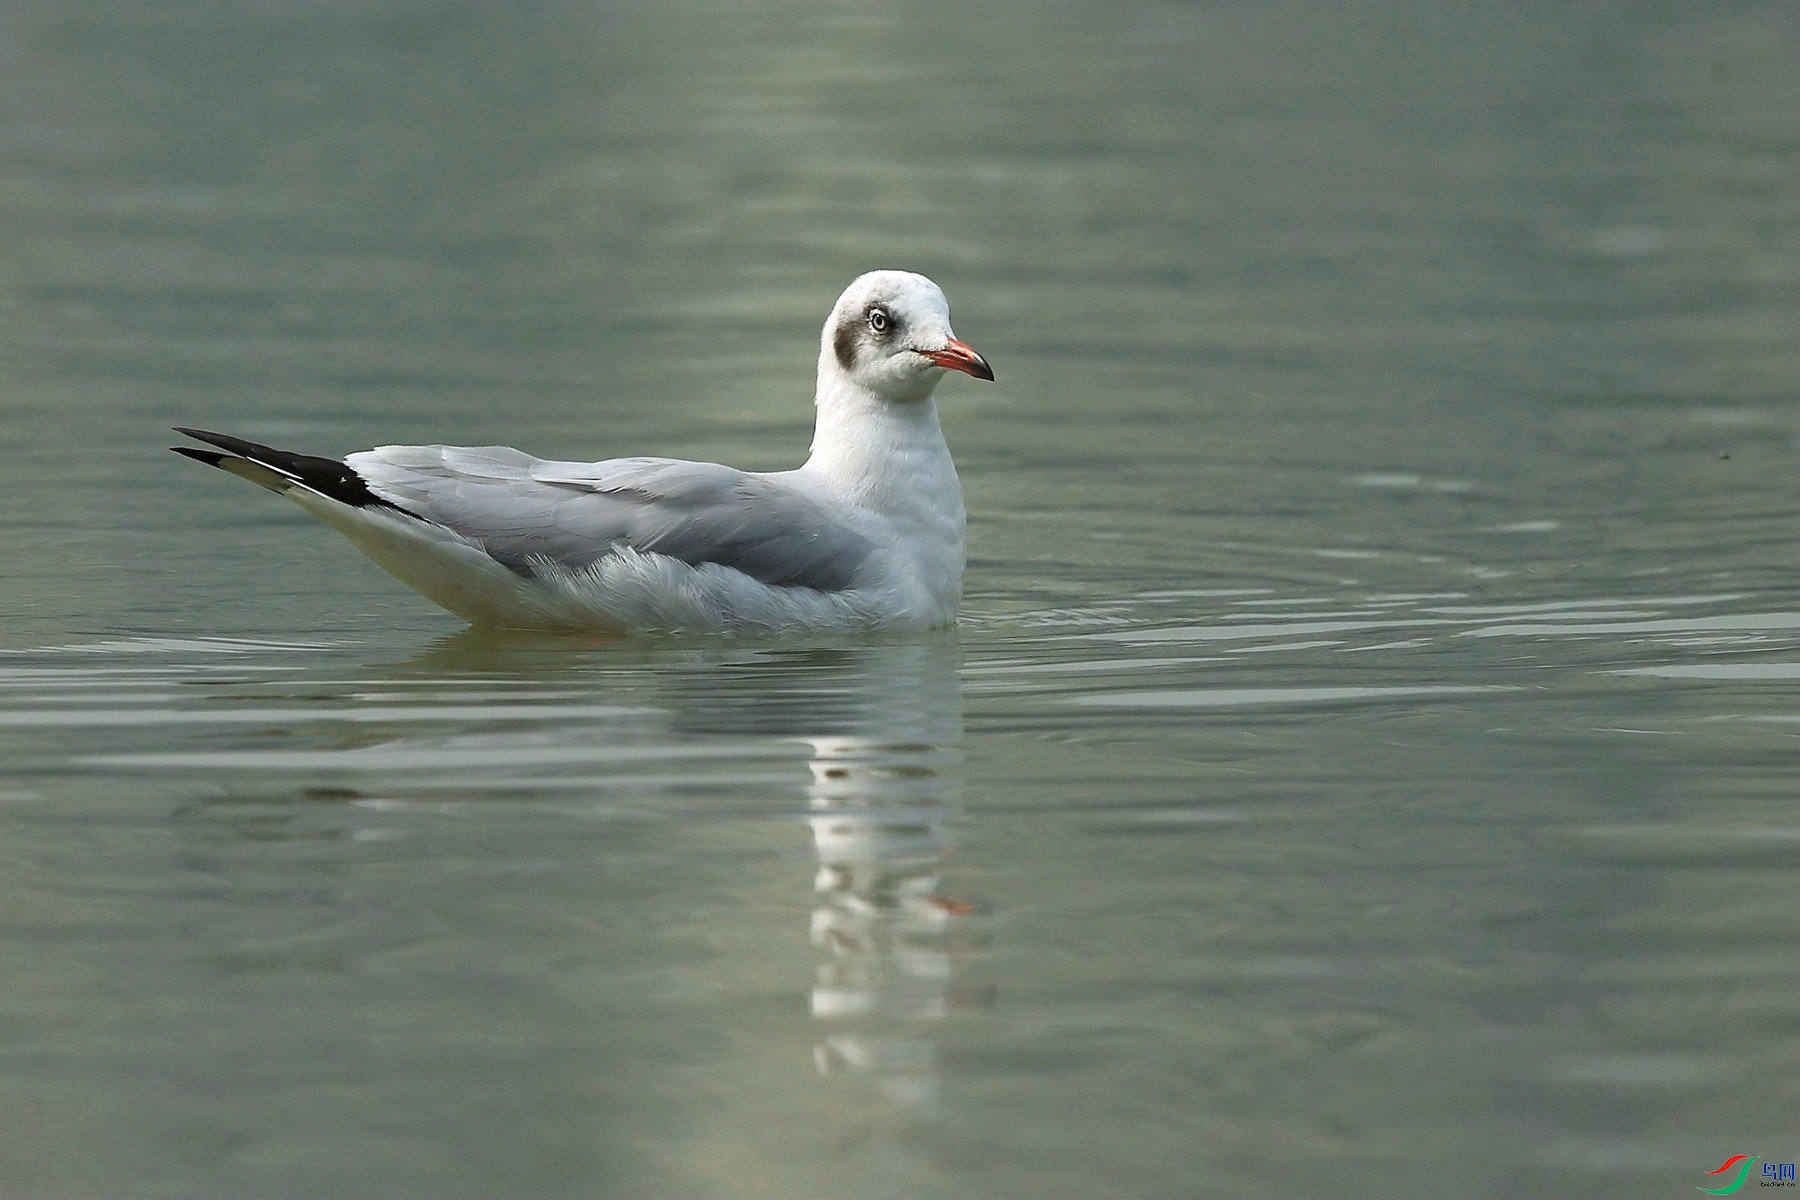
column 283, row 470
column 242, row 467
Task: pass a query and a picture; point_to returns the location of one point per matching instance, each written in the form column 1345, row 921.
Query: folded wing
column 532, row 515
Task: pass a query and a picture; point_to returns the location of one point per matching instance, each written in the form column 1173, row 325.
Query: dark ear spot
column 843, row 342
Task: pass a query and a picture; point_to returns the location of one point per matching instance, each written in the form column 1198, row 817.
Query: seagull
column 866, row 535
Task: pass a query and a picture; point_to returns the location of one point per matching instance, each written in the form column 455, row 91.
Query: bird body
column 867, row 534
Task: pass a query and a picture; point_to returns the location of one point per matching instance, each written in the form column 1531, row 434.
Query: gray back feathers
column 528, row 513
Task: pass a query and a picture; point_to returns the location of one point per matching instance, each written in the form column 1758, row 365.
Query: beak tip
column 958, row 355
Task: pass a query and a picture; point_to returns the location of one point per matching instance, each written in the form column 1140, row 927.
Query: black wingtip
column 211, row 458
column 326, row 476
column 224, row 441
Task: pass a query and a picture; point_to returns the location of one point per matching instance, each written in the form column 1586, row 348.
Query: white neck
column 886, row 455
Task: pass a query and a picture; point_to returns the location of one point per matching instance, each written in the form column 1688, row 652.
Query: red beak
column 960, row 356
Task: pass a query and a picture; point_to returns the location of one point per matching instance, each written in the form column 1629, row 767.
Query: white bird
column 868, row 534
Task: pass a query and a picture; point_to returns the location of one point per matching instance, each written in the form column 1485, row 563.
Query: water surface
column 1365, row 764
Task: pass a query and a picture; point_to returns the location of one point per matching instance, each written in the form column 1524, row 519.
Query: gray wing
column 527, row 512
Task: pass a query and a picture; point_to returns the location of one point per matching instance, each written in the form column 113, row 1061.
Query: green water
column 1366, row 763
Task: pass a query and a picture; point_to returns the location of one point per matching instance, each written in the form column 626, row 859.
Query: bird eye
column 879, row 320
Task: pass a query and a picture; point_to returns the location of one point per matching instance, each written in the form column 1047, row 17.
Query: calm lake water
column 1366, row 764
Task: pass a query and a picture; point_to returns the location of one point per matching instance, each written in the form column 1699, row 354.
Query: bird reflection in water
column 883, row 722
column 883, row 931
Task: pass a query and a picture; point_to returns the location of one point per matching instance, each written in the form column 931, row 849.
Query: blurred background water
column 1366, row 763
